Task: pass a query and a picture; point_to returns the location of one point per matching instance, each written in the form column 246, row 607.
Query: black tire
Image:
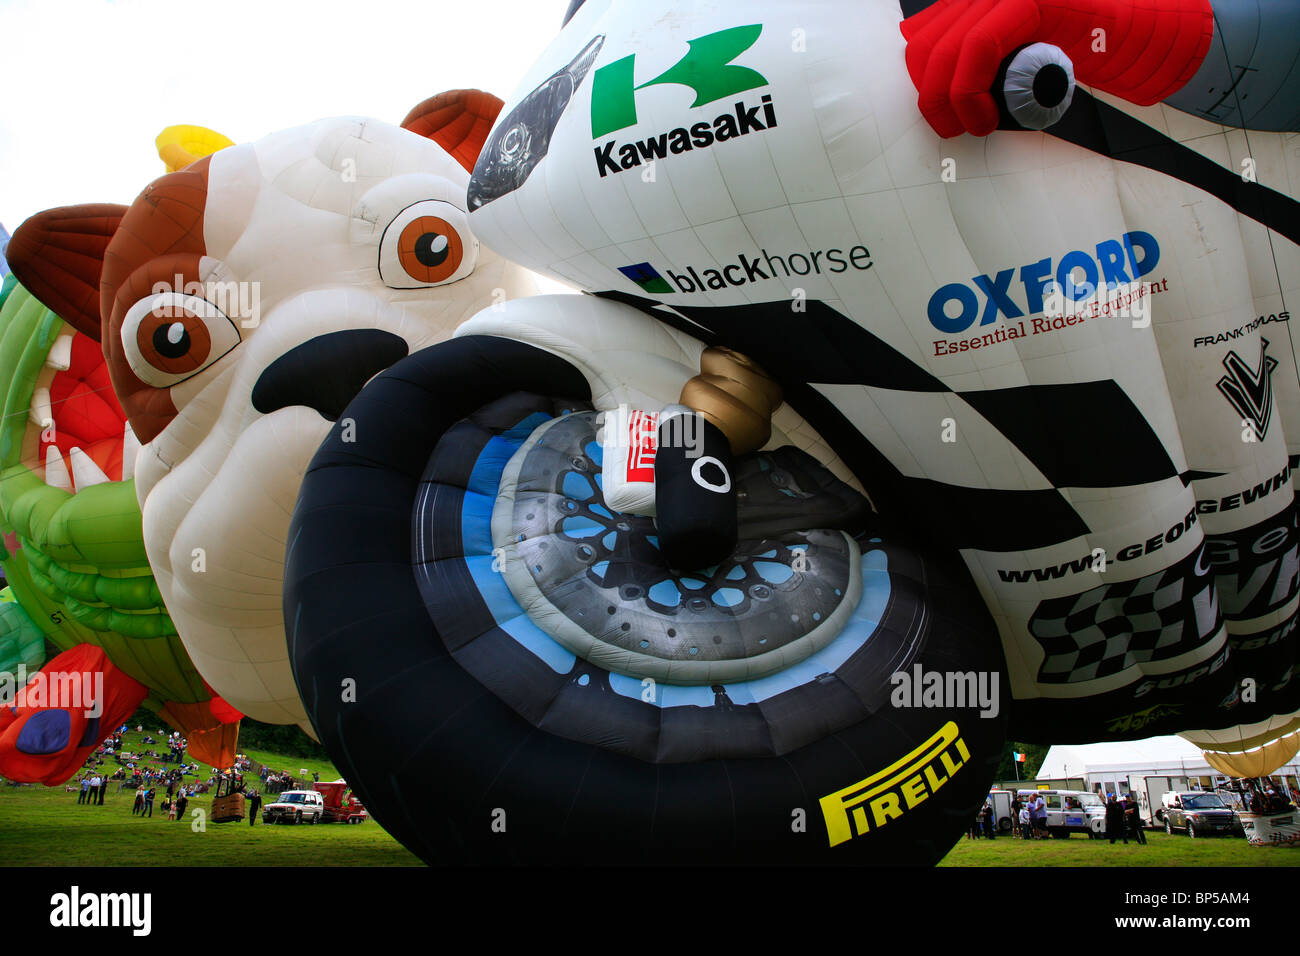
column 1169, row 827
column 297, row 816
column 1004, row 825
column 576, row 798
column 1191, row 830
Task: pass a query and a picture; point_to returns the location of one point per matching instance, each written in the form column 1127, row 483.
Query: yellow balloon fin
column 178, row 146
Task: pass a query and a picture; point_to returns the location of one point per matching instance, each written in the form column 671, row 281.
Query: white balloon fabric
column 1064, row 354
column 348, row 242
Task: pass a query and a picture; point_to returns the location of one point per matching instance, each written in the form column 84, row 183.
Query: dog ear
column 58, row 255
column 459, row 121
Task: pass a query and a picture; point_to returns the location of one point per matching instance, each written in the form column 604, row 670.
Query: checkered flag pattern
column 1110, row 628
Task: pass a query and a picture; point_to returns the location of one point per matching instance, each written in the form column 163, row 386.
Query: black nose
column 326, row 372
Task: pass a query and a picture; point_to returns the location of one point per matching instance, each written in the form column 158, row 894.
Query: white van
column 1071, row 811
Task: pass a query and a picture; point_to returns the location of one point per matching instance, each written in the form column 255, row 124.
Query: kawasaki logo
column 706, row 68
column 1248, row 391
column 708, row 71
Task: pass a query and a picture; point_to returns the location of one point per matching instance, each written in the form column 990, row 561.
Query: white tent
column 1115, row 760
column 1109, row 766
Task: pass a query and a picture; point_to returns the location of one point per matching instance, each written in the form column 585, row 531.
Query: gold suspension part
column 734, row 393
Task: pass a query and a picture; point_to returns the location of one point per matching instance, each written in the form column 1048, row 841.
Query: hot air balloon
column 1022, row 298
column 22, row 643
column 231, row 358
column 74, row 553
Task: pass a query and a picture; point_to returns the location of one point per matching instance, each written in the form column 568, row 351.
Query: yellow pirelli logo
column 889, row 793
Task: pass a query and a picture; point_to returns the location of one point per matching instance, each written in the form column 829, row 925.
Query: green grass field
column 45, row 826
column 1162, row 849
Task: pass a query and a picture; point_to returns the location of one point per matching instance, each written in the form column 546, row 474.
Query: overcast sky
column 90, row 83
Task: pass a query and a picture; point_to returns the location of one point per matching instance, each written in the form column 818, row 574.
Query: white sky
column 90, row 83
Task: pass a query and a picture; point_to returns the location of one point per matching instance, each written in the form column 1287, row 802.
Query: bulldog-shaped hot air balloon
column 73, row 546
column 994, row 294
column 242, row 301
column 75, row 559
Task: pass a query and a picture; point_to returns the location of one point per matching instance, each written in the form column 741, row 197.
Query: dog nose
column 326, row 372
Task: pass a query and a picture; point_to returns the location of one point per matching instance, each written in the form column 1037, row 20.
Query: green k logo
column 706, row 68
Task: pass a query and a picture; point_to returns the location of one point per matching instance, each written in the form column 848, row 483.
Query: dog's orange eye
column 172, row 338
column 426, row 244
column 430, row 249
column 169, row 336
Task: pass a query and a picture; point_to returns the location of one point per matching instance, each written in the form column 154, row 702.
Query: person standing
column 254, row 804
column 148, row 802
column 181, row 802
column 1134, row 819
column 1039, row 814
column 94, row 789
column 989, row 826
column 1115, row 820
column 103, row 788
column 1026, row 824
column 85, row 788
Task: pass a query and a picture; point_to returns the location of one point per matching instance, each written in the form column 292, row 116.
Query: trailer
column 1002, row 818
column 1150, row 789
column 338, row 808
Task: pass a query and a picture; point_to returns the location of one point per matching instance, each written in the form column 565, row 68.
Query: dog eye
column 427, row 244
column 169, row 337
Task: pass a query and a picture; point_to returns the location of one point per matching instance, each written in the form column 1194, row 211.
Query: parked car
column 295, row 806
column 1071, row 811
column 1200, row 813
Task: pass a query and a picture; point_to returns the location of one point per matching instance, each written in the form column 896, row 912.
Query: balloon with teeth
column 232, row 372
column 73, row 544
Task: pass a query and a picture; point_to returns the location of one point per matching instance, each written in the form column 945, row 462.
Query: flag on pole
column 1017, row 757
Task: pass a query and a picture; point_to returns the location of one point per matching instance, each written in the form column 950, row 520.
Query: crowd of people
column 139, row 770
column 278, row 781
column 169, row 789
column 1263, row 797
column 1029, row 818
column 1123, row 818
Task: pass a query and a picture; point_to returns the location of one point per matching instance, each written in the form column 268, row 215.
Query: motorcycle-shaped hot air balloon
column 1024, row 303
